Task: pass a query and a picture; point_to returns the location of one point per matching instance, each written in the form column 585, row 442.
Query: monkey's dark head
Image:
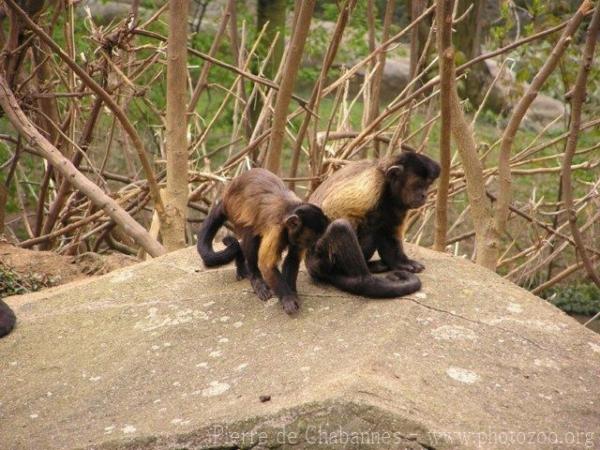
column 305, row 224
column 408, row 178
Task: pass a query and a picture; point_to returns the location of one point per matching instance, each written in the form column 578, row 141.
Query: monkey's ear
column 394, row 171
column 293, row 222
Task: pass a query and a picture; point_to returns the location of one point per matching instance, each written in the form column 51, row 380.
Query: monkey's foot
column 261, row 289
column 411, row 266
column 377, row 266
column 290, row 304
column 400, row 275
column 241, row 272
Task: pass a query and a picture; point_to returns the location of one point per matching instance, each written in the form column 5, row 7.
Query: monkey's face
column 414, row 191
column 407, row 189
column 305, row 237
column 306, row 225
column 409, row 178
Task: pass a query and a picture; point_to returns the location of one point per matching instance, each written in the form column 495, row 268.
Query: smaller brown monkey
column 268, row 218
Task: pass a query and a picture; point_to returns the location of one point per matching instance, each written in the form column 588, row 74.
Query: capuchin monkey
column 268, row 218
column 374, row 197
column 7, row 319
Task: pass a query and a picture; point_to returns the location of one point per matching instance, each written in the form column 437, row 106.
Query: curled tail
column 215, row 220
column 396, row 284
column 7, row 319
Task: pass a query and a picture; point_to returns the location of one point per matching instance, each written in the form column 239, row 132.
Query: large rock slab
column 163, row 355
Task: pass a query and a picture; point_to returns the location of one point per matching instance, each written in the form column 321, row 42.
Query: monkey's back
column 257, row 199
column 351, row 192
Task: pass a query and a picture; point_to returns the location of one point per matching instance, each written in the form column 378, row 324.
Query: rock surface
column 163, row 355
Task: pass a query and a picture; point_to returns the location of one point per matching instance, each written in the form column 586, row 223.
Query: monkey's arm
column 392, row 254
column 269, row 255
column 291, row 264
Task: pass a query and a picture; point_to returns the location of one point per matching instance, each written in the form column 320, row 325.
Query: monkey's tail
column 7, row 319
column 397, row 284
column 215, row 220
column 376, row 287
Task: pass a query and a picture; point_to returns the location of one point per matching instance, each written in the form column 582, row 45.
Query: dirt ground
column 24, row 270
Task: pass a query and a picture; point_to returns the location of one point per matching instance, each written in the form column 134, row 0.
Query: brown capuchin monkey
column 7, row 319
column 268, row 218
column 374, row 197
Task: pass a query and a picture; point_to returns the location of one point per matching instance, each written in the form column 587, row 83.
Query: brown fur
column 259, row 204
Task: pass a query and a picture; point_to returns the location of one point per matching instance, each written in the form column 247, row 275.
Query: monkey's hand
column 290, row 304
column 410, row 265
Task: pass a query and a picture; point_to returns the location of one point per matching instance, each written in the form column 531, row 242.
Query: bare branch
column 19, row 120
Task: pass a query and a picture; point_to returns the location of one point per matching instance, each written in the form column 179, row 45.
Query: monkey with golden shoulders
column 268, row 218
column 374, row 197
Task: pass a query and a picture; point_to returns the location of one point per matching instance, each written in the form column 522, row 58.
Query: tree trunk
column 292, row 65
column 446, row 63
column 372, row 109
column 272, row 13
column 467, row 40
column 465, row 143
column 174, row 221
column 577, row 100
column 418, row 35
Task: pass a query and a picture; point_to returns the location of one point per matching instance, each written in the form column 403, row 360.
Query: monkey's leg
column 338, row 259
column 392, row 254
column 278, row 284
column 241, row 270
column 269, row 254
column 250, row 246
column 341, row 245
column 291, row 264
column 368, row 245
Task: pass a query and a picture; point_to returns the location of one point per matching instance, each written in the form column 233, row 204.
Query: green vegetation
column 579, row 298
column 12, row 283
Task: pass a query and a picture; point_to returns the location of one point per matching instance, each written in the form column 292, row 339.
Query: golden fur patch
column 351, row 193
column 269, row 254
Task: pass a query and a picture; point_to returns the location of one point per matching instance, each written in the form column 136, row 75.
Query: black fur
column 215, row 220
column 312, row 218
column 421, row 165
column 379, row 229
column 7, row 319
column 337, row 259
column 248, row 259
